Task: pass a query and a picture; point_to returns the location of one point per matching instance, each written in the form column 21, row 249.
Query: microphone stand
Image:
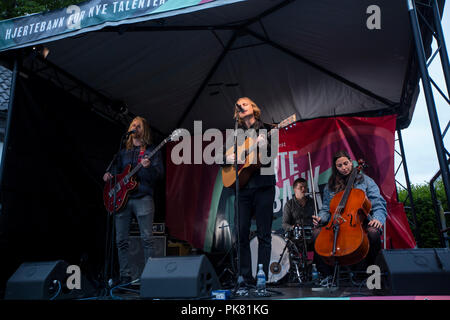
column 110, row 233
column 240, row 279
column 312, row 185
column 305, row 248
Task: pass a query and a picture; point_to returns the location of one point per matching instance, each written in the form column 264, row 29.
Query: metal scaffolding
column 430, row 19
column 430, row 11
column 407, row 188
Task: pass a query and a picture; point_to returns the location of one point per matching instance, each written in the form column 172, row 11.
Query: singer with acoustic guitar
column 256, row 196
column 138, row 153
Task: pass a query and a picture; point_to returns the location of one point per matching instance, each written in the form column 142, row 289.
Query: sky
column 418, row 142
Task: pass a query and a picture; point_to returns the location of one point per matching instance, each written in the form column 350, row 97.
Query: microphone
column 238, row 106
column 130, row 133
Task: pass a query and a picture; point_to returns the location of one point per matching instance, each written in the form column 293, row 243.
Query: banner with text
column 35, row 27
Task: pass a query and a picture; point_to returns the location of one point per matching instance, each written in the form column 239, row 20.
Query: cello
column 343, row 240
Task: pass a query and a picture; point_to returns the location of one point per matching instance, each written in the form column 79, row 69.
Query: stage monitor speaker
column 178, row 277
column 44, row 281
column 415, row 271
column 136, row 252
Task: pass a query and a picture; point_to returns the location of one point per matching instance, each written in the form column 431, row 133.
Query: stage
column 348, row 286
column 287, row 292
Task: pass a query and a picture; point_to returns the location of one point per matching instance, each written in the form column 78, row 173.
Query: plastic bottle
column 314, row 274
column 260, row 281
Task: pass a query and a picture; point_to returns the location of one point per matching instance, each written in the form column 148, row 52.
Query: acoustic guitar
column 248, row 150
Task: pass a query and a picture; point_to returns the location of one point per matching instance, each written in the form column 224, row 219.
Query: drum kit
column 289, row 252
column 289, row 255
column 288, row 258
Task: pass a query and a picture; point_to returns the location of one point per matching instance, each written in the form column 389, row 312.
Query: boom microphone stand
column 230, row 254
column 107, row 273
column 110, row 232
column 240, row 279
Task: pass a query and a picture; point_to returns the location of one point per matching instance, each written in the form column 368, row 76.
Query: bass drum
column 277, row 271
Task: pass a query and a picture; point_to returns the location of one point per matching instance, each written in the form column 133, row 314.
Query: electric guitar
column 251, row 163
column 115, row 196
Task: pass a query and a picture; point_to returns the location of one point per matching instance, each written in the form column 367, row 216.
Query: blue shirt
column 372, row 191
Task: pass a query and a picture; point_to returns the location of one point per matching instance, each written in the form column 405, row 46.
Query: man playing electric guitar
column 140, row 201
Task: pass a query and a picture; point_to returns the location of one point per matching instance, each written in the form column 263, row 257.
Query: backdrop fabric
column 200, row 210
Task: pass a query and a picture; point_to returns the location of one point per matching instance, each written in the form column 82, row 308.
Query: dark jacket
column 293, row 213
column 258, row 180
column 146, row 177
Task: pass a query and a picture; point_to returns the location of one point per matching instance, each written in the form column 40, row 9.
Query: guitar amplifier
column 136, row 252
column 159, row 228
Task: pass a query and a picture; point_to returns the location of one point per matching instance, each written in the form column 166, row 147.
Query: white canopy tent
column 314, row 59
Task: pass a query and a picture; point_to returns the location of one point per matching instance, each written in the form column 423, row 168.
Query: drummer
column 299, row 210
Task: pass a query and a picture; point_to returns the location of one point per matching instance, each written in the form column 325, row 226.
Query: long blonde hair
column 256, row 110
column 146, row 139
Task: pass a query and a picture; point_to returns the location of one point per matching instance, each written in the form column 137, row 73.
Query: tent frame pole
column 441, row 43
column 431, row 105
column 208, row 77
column 91, row 96
column 12, row 93
column 322, row 69
column 408, row 189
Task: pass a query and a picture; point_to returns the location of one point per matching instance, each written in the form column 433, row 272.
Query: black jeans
column 256, row 202
column 143, row 208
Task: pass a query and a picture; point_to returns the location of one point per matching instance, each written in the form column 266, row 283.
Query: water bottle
column 314, row 274
column 260, row 281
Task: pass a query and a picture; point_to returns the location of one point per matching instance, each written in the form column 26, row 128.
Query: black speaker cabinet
column 136, row 253
column 178, row 277
column 43, row 281
column 415, row 271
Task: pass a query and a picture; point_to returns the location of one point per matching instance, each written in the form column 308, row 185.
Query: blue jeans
column 143, row 208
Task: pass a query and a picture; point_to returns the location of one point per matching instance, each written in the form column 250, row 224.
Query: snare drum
column 299, row 233
column 277, row 271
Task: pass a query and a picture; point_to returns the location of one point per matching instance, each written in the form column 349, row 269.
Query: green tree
column 425, row 212
column 17, row 8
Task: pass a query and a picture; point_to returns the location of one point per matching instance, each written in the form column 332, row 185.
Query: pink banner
column 370, row 139
column 198, row 207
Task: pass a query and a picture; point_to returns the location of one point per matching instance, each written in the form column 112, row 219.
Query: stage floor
column 292, row 292
column 346, row 290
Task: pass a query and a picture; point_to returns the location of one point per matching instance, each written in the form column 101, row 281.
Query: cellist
column 341, row 169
